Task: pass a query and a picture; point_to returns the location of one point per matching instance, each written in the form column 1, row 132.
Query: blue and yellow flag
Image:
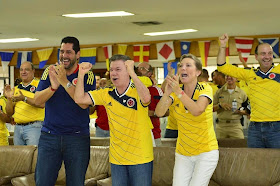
column 88, row 55
column 44, row 55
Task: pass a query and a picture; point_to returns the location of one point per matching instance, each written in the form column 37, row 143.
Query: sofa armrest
column 93, row 181
column 27, row 180
column 7, row 179
column 277, row 184
column 105, row 182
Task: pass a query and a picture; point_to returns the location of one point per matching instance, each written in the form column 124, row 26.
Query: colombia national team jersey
column 25, row 113
column 263, row 90
column 195, row 133
column 130, row 125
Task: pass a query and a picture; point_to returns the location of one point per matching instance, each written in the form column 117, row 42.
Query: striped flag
column 185, row 47
column 141, row 53
column 165, row 51
column 88, row 55
column 274, row 42
column 227, row 51
column 6, row 57
column 44, row 55
column 204, row 47
column 122, row 49
column 244, row 45
column 108, row 54
column 24, row 56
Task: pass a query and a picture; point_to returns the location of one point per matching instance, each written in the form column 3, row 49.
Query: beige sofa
column 236, row 167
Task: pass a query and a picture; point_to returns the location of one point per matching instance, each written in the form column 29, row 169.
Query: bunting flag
column 122, row 49
column 44, row 55
column 244, row 45
column 165, row 51
column 141, row 53
column 274, row 42
column 108, row 54
column 185, row 47
column 227, row 51
column 173, row 65
column 88, row 55
column 204, row 47
column 6, row 57
column 24, row 56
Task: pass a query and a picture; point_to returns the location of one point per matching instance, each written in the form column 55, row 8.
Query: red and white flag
column 108, row 53
column 141, row 53
column 165, row 51
column 204, row 47
column 244, row 45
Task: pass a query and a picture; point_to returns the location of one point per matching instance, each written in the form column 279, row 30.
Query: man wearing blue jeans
column 264, row 85
column 131, row 148
column 21, row 106
column 65, row 131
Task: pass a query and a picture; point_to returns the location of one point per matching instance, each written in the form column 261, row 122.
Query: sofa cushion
column 15, row 161
column 98, row 141
column 105, row 182
column 247, row 166
column 164, row 158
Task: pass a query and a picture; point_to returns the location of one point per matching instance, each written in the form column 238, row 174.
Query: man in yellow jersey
column 264, row 85
column 145, row 69
column 229, row 118
column 21, row 106
column 131, row 148
column 4, row 118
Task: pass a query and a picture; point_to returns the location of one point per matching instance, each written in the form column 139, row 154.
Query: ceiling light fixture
column 15, row 40
column 170, row 32
column 99, row 14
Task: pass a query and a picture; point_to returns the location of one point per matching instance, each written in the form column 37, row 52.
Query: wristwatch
column 69, row 84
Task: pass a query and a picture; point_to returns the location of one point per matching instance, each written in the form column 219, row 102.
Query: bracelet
column 219, row 105
column 181, row 94
column 52, row 89
column 25, row 99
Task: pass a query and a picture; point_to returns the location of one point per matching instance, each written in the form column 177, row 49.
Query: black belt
column 24, row 124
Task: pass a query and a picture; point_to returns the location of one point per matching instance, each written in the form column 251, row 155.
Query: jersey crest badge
column 130, row 102
column 271, row 76
column 74, row 81
column 32, row 89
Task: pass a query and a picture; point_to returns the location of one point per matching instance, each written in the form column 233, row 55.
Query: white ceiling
column 43, row 20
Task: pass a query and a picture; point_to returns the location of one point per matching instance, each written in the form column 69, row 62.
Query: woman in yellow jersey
column 197, row 148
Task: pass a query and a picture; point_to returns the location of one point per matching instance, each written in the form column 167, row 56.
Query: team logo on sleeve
column 271, row 76
column 74, row 81
column 130, row 102
column 32, row 89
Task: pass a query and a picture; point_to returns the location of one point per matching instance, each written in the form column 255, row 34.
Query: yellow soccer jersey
column 195, row 133
column 171, row 121
column 25, row 113
column 130, row 125
column 263, row 91
column 4, row 133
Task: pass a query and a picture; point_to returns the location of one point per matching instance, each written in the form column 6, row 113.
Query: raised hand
column 84, row 68
column 223, row 40
column 52, row 75
column 130, row 66
column 19, row 97
column 170, row 68
column 8, row 92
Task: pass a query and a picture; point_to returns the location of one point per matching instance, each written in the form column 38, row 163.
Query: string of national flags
column 141, row 52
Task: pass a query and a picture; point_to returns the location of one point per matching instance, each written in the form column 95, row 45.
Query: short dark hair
column 220, row 73
column 257, row 47
column 119, row 57
column 74, row 41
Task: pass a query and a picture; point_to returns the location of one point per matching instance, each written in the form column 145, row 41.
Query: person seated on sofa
column 197, row 149
column 131, row 148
